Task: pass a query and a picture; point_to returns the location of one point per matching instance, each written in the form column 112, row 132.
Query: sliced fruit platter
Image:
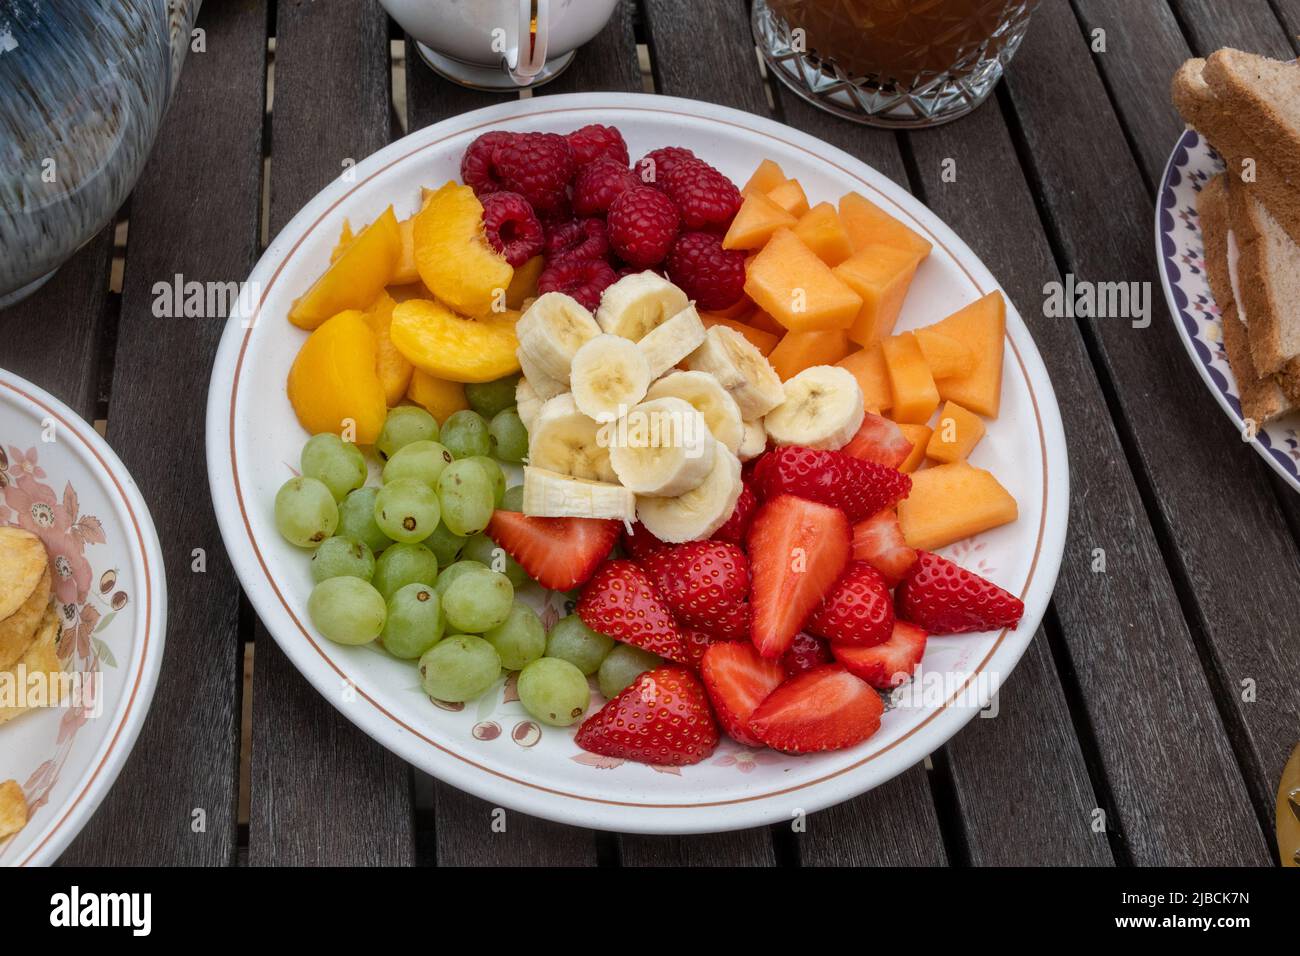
column 646, row 448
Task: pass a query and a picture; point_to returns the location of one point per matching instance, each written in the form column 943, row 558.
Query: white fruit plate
column 491, row 747
column 61, row 481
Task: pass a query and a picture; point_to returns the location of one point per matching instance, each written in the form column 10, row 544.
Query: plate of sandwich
column 1228, row 240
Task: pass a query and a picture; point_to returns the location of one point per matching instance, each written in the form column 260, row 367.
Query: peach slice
column 919, row 436
column 406, row 271
column 453, row 256
column 355, row 279
column 981, row 327
column 800, row 350
column 755, row 221
column 766, row 177
column 869, row 225
column 956, row 434
column 881, row 276
column 789, row 282
column 438, row 396
column 910, row 383
column 951, row 502
column 523, row 285
column 345, row 240
column 391, row 365
column 333, row 384
column 451, row 346
column 868, row 367
column 821, row 230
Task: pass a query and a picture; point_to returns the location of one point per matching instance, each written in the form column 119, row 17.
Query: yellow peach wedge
column 438, row 341
column 355, row 279
column 391, row 365
column 333, row 384
column 453, row 256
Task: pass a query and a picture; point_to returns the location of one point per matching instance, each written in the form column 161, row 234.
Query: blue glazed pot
column 83, row 88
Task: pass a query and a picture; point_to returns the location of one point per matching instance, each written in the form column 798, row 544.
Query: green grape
column 407, row 510
column 623, row 665
column 495, row 475
column 452, row 572
column 478, row 600
column 337, row 464
column 513, row 499
column 414, row 622
column 484, row 550
column 404, row 564
column 489, row 398
column 465, row 433
column 305, row 512
column 347, row 610
column 357, row 520
column 520, row 639
column 420, row 460
column 508, row 436
column 467, row 497
column 342, row 557
column 573, row 641
column 554, row 691
column 445, row 545
column 405, row 424
column 459, row 667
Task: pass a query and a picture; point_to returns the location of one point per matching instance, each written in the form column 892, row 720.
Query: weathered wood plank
column 735, row 848
column 474, row 832
column 1245, row 24
column 608, row 62
column 892, row 825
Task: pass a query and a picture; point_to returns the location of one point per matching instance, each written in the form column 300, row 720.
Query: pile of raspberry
column 575, row 200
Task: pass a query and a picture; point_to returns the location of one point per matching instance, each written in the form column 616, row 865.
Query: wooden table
column 1151, row 716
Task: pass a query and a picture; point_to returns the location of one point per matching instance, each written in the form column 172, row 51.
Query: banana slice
column 755, row 441
column 638, row 303
column 701, row 390
column 739, row 368
column 527, row 403
column 553, row 328
column 566, row 441
column 822, row 409
column 543, row 385
column 548, row 494
column 669, row 343
column 698, row 513
column 662, row 448
column 610, row 375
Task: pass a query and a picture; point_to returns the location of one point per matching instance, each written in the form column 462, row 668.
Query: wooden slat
column 608, row 62
column 1288, row 12
column 1245, row 24
column 892, row 825
column 194, row 211
column 469, row 834
column 322, row 791
column 736, row 848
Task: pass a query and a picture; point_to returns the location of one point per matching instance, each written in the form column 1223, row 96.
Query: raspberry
column 654, row 166
column 511, row 226
column 599, row 184
column 584, row 279
column 538, row 166
column 714, row 277
column 476, row 169
column 705, row 198
column 642, row 226
column 576, row 239
column 592, row 142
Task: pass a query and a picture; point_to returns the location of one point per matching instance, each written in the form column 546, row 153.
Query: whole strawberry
column 642, row 226
column 476, row 166
column 654, row 167
column 621, row 601
column 858, row 488
column 704, row 197
column 594, row 141
column 737, row 525
column 511, row 227
column 538, row 166
column 714, row 277
column 943, row 598
column 584, row 279
column 857, row 610
column 661, row 718
column 706, row 583
column 599, row 184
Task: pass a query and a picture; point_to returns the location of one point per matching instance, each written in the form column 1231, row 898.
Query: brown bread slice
column 1268, row 281
column 1263, row 96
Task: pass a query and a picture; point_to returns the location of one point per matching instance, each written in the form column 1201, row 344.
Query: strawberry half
column 879, row 440
column 737, row 525
column 879, row 541
column 639, row 543
column 706, row 583
column 826, row 708
column 805, row 653
column 696, row 642
column 738, row 680
column 944, row 598
column 558, row 553
column 661, row 718
column 857, row 610
column 799, row 549
column 858, row 488
column 621, row 601
column 885, row 665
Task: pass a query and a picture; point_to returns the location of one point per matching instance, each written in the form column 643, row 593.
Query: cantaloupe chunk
column 982, row 327
column 956, row 434
column 951, row 502
column 740, row 309
column 761, row 320
column 761, row 340
column 754, row 223
column 438, row 396
column 821, row 231
column 945, row 355
column 869, row 225
column 881, row 276
column 914, row 396
column 790, row 197
column 766, row 177
column 800, row 350
column 919, row 436
column 789, row 282
column 868, row 367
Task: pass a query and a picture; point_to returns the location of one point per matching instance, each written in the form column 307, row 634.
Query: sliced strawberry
column 737, row 525
column 738, row 680
column 639, row 542
column 826, row 708
column 945, row 598
column 558, row 553
column 697, row 642
column 879, row 542
column 621, row 601
column 857, row 610
column 706, row 583
column 805, row 653
column 889, row 664
column 858, row 488
column 661, row 718
column 879, row 440
column 799, row 550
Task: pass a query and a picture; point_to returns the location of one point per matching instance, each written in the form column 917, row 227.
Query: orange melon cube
column 801, row 350
column 956, row 434
column 790, row 197
column 755, row 221
column 881, row 276
column 911, row 385
column 766, row 177
column 789, row 282
column 981, row 327
column 869, row 225
column 945, row 355
column 919, row 436
column 868, row 367
column 951, row 502
column 765, row 342
column 821, row 231
column 761, row 320
column 739, row 309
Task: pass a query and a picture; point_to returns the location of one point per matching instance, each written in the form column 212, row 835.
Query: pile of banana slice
column 619, row 429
